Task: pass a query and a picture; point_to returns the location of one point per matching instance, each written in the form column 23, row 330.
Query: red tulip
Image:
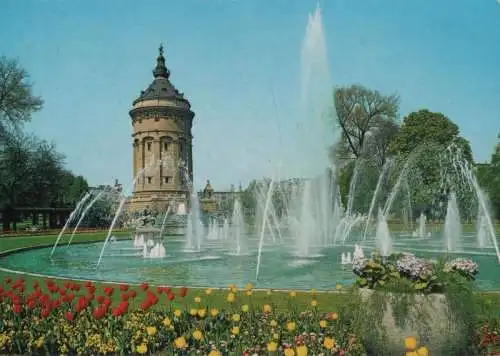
column 183, row 292
column 170, row 296
column 124, row 287
column 17, row 308
column 144, row 286
column 69, row 316
column 100, row 299
column 109, row 291
column 45, row 312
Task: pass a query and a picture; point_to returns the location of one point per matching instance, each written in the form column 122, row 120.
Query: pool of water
column 215, row 266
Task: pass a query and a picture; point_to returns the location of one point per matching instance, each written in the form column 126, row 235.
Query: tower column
column 134, row 161
column 156, row 149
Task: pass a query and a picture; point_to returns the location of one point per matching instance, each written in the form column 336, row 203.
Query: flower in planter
column 463, row 265
column 412, row 266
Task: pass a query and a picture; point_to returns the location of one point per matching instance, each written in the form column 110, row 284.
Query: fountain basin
column 214, row 267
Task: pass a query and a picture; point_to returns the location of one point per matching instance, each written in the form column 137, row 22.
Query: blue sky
column 238, row 62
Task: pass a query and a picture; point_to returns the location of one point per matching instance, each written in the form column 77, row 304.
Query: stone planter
column 390, row 318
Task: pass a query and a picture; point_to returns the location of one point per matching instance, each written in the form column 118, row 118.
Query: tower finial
column 161, row 70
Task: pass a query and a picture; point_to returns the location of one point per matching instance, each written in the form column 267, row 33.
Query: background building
column 162, row 121
column 217, row 202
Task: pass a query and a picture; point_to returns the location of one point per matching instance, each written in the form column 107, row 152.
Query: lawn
column 157, row 319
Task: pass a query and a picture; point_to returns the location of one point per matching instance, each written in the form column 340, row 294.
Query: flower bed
column 49, row 317
column 71, row 318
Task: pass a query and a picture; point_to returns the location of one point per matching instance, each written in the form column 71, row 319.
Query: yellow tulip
column 323, row 324
column 151, row 330
column 142, row 349
column 214, row 353
column 329, row 343
column 236, row 317
column 214, row 312
column 208, row 291
column 266, row 308
column 177, row 313
column 314, row 303
column 180, row 342
column 410, row 343
column 197, row 299
column 230, row 297
column 290, row 326
column 272, row 346
column 244, row 308
column 423, row 351
column 167, row 321
column 197, row 335
column 289, row 352
column 235, row 330
column 202, row 313
column 293, row 294
column 301, row 350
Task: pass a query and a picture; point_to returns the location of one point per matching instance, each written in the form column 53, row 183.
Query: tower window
column 167, row 179
column 165, row 146
column 149, row 146
column 149, row 180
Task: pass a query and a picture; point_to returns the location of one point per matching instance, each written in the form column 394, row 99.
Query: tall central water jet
column 312, row 219
column 452, row 227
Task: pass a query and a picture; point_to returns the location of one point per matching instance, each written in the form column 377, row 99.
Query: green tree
column 364, row 116
column 489, row 178
column 17, row 101
column 15, row 167
column 423, row 137
column 100, row 215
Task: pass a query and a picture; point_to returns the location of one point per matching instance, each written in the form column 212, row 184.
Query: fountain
column 225, row 229
column 296, row 243
column 82, row 216
column 420, row 232
column 237, row 227
column 194, row 233
column 452, row 226
column 482, row 231
column 72, row 215
column 382, row 175
column 169, row 208
column 383, row 236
